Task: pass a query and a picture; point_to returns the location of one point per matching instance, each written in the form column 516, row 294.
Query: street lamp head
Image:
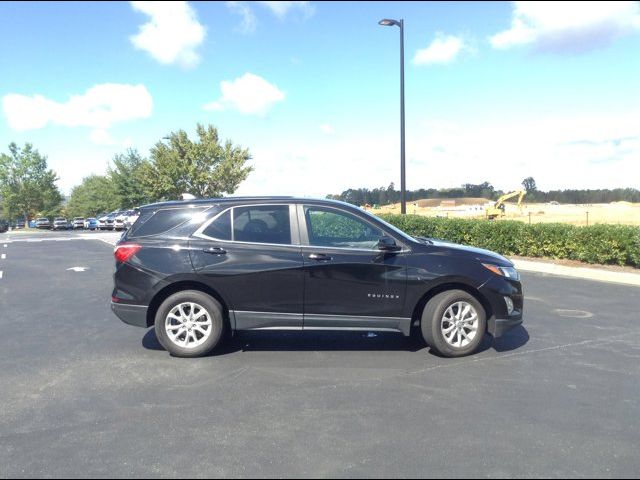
column 386, row 22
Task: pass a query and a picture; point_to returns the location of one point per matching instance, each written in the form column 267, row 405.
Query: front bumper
column 135, row 315
column 499, row 326
column 495, row 290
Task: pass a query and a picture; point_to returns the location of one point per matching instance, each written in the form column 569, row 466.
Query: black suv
column 198, row 268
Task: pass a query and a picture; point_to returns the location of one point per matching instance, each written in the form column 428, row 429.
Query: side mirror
column 388, row 244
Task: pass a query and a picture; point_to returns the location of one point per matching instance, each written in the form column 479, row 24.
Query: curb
column 579, row 272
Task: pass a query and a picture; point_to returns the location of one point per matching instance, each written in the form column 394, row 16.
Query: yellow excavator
column 497, row 209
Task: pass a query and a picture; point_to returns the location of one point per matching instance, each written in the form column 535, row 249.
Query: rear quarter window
column 220, row 228
column 156, row 222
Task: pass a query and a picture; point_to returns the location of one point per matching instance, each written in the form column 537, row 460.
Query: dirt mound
column 436, row 202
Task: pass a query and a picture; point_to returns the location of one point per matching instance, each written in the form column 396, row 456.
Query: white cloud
column 99, row 108
column 249, row 22
column 338, row 163
column 281, row 9
column 568, row 27
column 100, row 136
column 443, row 49
column 172, row 34
column 585, row 151
column 327, row 129
column 249, row 94
column 594, row 151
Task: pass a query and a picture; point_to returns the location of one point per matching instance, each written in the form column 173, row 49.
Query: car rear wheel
column 189, row 324
column 453, row 323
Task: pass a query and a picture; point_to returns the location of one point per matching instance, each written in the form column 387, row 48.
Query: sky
column 495, row 91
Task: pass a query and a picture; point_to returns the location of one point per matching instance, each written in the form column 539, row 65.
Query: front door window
column 332, row 228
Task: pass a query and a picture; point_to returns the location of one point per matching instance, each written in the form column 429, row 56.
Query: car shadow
column 339, row 341
column 512, row 340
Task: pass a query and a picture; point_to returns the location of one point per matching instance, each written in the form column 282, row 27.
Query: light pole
column 403, row 190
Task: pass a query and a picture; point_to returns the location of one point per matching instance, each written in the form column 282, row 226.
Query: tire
column 200, row 341
column 463, row 339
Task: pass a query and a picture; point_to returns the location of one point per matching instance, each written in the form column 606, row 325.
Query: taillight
column 125, row 251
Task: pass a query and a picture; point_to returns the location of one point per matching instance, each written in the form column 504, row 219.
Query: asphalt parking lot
column 83, row 394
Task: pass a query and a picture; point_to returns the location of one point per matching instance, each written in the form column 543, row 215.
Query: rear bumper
column 135, row 315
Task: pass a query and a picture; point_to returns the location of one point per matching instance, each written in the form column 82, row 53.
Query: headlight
column 508, row 272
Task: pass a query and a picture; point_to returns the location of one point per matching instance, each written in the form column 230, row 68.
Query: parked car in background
column 78, row 223
column 60, row 223
column 126, row 218
column 91, row 223
column 4, row 226
column 196, row 269
column 132, row 216
column 107, row 222
column 21, row 224
column 119, row 221
column 43, row 223
column 99, row 218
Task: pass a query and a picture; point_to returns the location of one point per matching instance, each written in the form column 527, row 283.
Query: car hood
column 472, row 252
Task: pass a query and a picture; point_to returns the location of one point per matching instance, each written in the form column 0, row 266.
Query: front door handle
column 215, row 251
column 320, row 257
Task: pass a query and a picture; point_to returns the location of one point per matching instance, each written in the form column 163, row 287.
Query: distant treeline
column 384, row 196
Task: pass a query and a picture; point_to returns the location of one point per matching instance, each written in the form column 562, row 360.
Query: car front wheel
column 453, row 323
column 189, row 324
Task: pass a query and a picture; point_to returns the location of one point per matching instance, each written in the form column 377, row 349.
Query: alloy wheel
column 459, row 324
column 188, row 325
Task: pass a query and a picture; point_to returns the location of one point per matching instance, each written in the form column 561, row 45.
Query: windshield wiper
column 426, row 240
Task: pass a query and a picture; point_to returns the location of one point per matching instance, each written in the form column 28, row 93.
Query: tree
column 203, row 168
column 483, row 190
column 127, row 179
column 529, row 184
column 27, row 185
column 95, row 195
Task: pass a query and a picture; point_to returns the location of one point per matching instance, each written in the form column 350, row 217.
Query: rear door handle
column 320, row 257
column 215, row 251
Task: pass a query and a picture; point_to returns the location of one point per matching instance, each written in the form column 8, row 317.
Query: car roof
column 243, row 200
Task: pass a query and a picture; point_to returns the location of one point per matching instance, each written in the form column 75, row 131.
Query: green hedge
column 604, row 244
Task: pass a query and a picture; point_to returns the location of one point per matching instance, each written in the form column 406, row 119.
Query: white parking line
column 0, row 273
column 4, row 255
column 108, row 239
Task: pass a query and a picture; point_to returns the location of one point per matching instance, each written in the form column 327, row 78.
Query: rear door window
column 262, row 224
